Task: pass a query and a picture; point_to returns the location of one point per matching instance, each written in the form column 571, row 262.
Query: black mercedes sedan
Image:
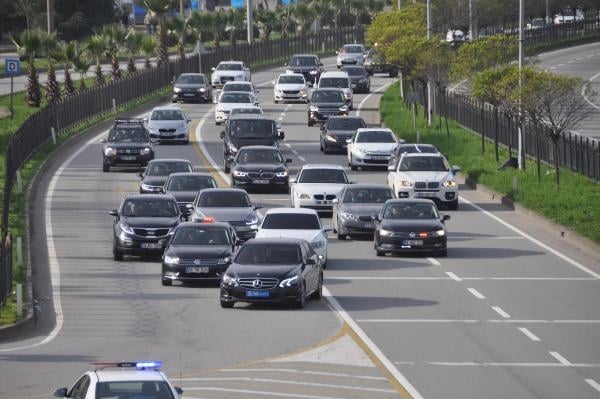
column 324, row 103
column 198, row 252
column 410, row 225
column 273, row 270
column 337, row 130
column 155, row 175
column 184, row 186
column 353, row 210
column 361, row 82
column 260, row 166
column 230, row 205
column 143, row 224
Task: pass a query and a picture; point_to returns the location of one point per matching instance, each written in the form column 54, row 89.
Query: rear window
column 201, row 235
column 268, row 254
column 345, row 123
column 166, row 168
column 340, row 83
column 224, row 199
column 191, row 183
column 291, row 221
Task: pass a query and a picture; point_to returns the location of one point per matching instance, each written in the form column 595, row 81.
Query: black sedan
column 143, row 224
column 198, row 252
column 273, row 270
column 412, row 226
column 158, row 170
column 354, row 209
column 260, row 166
column 337, row 130
column 361, row 82
column 185, row 186
column 324, row 103
column 192, row 87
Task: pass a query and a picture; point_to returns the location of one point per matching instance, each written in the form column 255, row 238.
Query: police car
column 124, row 380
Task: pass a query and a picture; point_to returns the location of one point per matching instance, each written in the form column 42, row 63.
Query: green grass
column 574, row 205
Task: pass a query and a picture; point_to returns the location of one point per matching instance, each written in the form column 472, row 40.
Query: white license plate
column 368, row 225
column 151, row 245
column 128, row 157
column 188, row 94
column 424, row 195
column 197, row 269
column 380, row 158
column 260, row 182
column 322, row 202
column 412, row 242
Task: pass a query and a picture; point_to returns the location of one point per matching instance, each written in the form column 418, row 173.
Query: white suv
column 421, row 175
column 229, row 70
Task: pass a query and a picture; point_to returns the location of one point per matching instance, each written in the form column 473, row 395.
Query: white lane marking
column 294, row 152
column 415, row 321
column 288, row 382
column 300, row 157
column 561, row 359
column 560, row 65
column 453, row 276
column 499, row 321
column 380, row 88
column 501, row 312
column 385, row 278
column 476, row 293
column 294, row 371
column 52, row 257
column 280, row 118
column 265, row 393
column 288, row 145
column 529, row 334
column 586, row 97
column 593, row 384
column 534, row 240
column 434, row 261
column 497, row 364
column 198, row 134
column 484, row 238
column 337, row 308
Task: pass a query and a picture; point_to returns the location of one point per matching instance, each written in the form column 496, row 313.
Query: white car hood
column 308, row 235
column 319, row 188
column 424, row 176
column 218, row 74
column 290, row 86
column 385, row 148
column 230, row 106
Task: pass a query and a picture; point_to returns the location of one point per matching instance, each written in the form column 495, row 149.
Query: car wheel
column 276, row 102
column 227, row 305
column 379, row 253
column 310, row 123
column 105, row 167
column 301, row 301
column 217, row 123
column 117, row 255
column 443, row 253
column 166, row 282
column 321, row 146
column 352, row 166
column 226, row 167
column 453, row 205
column 341, row 236
column 326, row 150
column 318, row 294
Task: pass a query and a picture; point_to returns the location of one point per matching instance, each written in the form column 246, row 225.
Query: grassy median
column 574, row 205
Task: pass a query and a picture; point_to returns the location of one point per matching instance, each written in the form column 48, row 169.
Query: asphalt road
column 512, row 312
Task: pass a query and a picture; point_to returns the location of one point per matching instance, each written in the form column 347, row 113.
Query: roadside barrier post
column 53, row 132
column 19, row 182
column 114, row 104
column 19, row 300
column 20, row 250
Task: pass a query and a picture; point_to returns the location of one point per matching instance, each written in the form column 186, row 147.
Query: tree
column 53, row 54
column 69, row 54
column 303, row 16
column 236, row 18
column 177, row 29
column 357, row 8
column 198, row 23
column 115, row 37
column 75, row 19
column 29, row 44
column 133, row 42
column 322, row 11
column 147, row 48
column 284, row 16
column 489, row 52
column 96, row 48
column 159, row 10
column 81, row 64
column 265, row 20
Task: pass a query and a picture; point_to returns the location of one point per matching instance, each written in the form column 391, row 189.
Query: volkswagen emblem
column 197, row 262
column 412, row 235
column 257, row 284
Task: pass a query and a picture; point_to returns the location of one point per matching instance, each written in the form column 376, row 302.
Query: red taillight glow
column 208, row 219
column 423, row 235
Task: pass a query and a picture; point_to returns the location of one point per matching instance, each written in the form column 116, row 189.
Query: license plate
column 197, row 269
column 423, row 195
column 257, row 294
column 368, row 226
column 323, row 202
column 188, row 94
column 380, row 158
column 412, row 242
column 260, row 182
column 128, row 157
column 151, row 245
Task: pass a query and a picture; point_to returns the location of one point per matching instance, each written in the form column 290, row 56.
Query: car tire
column 105, row 167
column 166, row 282
column 393, row 74
column 326, row 150
column 276, row 102
column 443, row 253
column 340, row 236
column 217, row 123
column 318, row 294
column 117, row 255
column 352, row 166
column 379, row 253
column 301, row 301
column 453, row 205
column 227, row 305
column 226, row 167
column 311, row 123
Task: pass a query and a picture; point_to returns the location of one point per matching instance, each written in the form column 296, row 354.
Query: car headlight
column 438, row 233
column 224, row 261
column 145, row 151
column 288, row 282
column 152, row 128
column 361, row 150
column 282, row 174
column 405, row 183
column 363, row 80
column 303, row 93
column 232, row 147
column 230, row 280
column 303, row 195
column 109, row 151
column 317, row 244
column 171, row 260
column 127, row 229
column 252, row 219
column 176, row 89
column 385, row 233
column 314, row 109
column 330, row 138
column 314, row 72
column 344, row 108
column 237, row 173
column 449, row 183
column 278, row 90
column 147, row 187
column 201, row 89
column 348, row 216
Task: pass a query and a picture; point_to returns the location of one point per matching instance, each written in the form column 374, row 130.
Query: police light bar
column 137, row 365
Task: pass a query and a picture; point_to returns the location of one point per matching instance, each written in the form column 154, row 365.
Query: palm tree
column 357, row 8
column 236, row 17
column 217, row 22
column 69, row 54
column 29, row 43
column 198, row 23
column 147, row 48
column 96, row 48
column 114, row 35
column 338, row 7
column 265, row 19
column 177, row 28
column 159, row 10
column 284, row 16
column 133, row 42
column 322, row 11
column 304, row 16
column 53, row 54
column 81, row 64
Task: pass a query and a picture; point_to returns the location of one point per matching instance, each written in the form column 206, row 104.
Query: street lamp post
column 250, row 28
column 50, row 15
column 521, row 62
column 429, row 91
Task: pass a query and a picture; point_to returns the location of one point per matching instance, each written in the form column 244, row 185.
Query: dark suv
column 337, row 130
column 243, row 130
column 128, row 144
column 374, row 63
column 308, row 65
column 324, row 103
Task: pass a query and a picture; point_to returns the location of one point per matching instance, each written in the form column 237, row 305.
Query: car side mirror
column 292, row 180
column 322, row 127
column 288, row 160
column 222, row 134
column 337, row 52
column 455, row 169
column 327, row 228
column 213, row 69
column 375, row 217
column 349, row 141
column 256, row 207
column 145, row 120
column 257, row 91
column 114, row 213
column 179, row 391
column 445, row 217
column 141, row 175
column 103, row 141
column 401, row 141
column 60, row 393
column 273, row 82
column 256, row 103
column 281, row 135
column 189, row 206
column 189, row 120
column 352, row 182
column 215, row 101
column 391, row 168
column 310, row 261
column 153, row 141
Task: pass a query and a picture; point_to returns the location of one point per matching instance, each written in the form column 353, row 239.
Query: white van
column 338, row 80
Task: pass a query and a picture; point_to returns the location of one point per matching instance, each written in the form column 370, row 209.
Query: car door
column 337, row 205
column 80, row 388
column 309, row 270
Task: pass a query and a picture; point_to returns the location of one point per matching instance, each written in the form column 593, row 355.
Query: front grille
column 348, row 61
column 432, row 185
column 198, row 262
column 365, row 218
column 420, row 184
column 376, row 161
column 128, row 150
column 167, row 130
column 291, row 91
column 330, row 197
column 319, row 196
column 263, row 175
column 151, row 232
column 265, row 283
column 342, row 139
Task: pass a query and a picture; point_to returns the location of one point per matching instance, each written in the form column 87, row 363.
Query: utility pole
column 429, row 93
column 399, row 4
column 472, row 21
column 250, row 27
column 181, row 8
column 50, row 15
column 548, row 16
column 521, row 62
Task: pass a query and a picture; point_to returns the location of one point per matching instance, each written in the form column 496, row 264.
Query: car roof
column 167, row 108
column 414, row 200
column 220, row 189
column 368, row 185
column 192, row 74
column 108, row 375
column 345, row 117
column 422, row 154
column 353, row 44
column 274, row 240
column 252, row 116
column 290, row 74
column 334, row 74
column 198, row 224
column 237, row 82
column 373, row 129
column 259, row 147
column 170, row 160
column 199, row 174
column 235, row 92
column 329, row 89
column 160, row 197
column 322, row 166
column 231, row 62
column 303, row 211
column 305, row 55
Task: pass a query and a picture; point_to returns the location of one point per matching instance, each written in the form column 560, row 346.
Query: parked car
column 308, row 65
column 260, row 166
column 375, row 63
column 351, row 54
column 233, row 99
column 455, row 37
column 361, row 83
column 290, row 87
column 169, row 124
column 192, row 87
column 128, row 144
column 325, row 103
column 155, row 175
column 336, row 131
column 317, row 185
column 371, row 147
column 338, row 80
column 227, row 71
column 184, row 186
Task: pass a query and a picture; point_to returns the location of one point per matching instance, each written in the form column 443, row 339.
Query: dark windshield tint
column 191, row 80
column 432, row 164
column 224, row 199
column 353, row 49
column 167, row 115
column 269, row 254
column 291, row 79
column 128, row 136
column 240, row 98
column 327, row 97
column 193, row 235
column 412, row 148
column 191, row 183
column 259, row 128
column 166, row 168
column 354, row 71
column 303, row 61
column 291, row 221
column 345, row 123
column 367, row 195
column 375, row 136
column 334, row 82
column 139, row 207
column 410, row 210
column 254, row 110
column 323, row 176
column 259, row 156
column 229, row 67
column 237, row 87
column 133, row 389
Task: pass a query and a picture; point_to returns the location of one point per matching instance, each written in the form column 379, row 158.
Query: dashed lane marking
column 593, row 384
column 529, row 334
column 453, row 276
column 434, row 261
column 562, row 360
column 501, row 312
column 476, row 293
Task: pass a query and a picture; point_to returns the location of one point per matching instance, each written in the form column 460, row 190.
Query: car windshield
column 367, row 195
column 191, row 80
column 334, row 82
column 355, row 71
column 167, row 115
column 303, row 61
column 430, row 164
column 412, row 148
column 259, row 156
column 327, row 97
column 268, row 254
column 255, row 111
column 353, row 49
column 166, row 168
column 229, row 67
column 201, row 235
column 258, row 128
column 291, row 221
column 410, row 210
column 237, row 87
column 375, row 136
column 224, row 199
column 345, row 123
column 291, row 79
column 150, row 208
column 128, row 136
column 191, row 183
column 133, row 389
column 323, row 176
column 242, row 98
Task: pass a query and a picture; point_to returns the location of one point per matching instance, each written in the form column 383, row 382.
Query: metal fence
column 6, row 269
